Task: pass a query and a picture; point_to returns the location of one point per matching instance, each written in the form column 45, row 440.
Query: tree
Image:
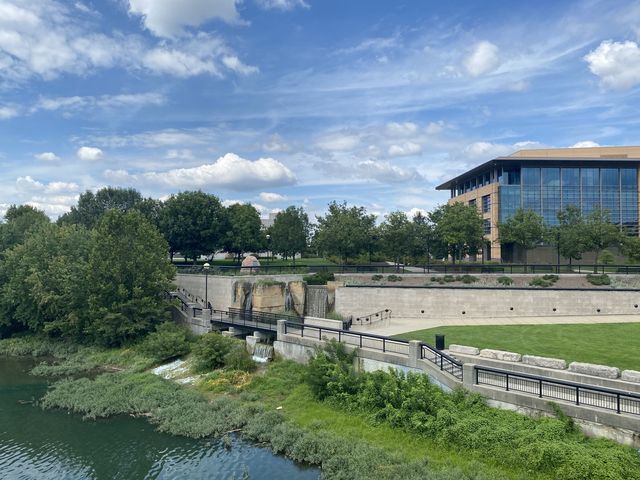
column 193, row 223
column 525, row 228
column 396, row 236
column 44, row 282
column 345, row 232
column 128, row 274
column 460, row 227
column 245, row 230
column 424, row 243
column 19, row 221
column 600, row 232
column 289, row 233
column 91, row 206
column 569, row 234
column 631, row 248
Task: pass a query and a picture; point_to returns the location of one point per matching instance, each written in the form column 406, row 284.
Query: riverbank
column 276, row 407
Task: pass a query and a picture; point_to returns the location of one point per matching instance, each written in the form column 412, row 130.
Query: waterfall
column 288, row 300
column 262, row 353
column 317, row 297
column 248, row 301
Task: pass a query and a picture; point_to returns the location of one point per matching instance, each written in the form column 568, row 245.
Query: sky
column 302, row 102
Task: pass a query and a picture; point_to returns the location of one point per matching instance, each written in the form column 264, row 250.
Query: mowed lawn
column 614, row 344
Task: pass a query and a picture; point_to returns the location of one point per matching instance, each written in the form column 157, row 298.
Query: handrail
column 380, row 316
column 590, row 395
column 445, row 362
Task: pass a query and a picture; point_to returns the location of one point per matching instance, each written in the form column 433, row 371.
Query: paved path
column 403, row 325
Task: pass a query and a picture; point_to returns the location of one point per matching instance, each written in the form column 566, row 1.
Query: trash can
column 440, row 342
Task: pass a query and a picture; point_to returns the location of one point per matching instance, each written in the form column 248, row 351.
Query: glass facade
column 545, row 190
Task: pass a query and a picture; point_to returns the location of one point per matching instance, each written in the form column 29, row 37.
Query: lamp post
column 268, row 247
column 206, row 267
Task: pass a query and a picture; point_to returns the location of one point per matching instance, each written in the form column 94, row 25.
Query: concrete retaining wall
column 469, row 302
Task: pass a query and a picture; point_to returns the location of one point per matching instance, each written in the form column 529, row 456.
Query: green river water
column 38, row 444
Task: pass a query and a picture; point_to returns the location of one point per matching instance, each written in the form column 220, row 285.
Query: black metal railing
column 263, row 317
column 442, row 360
column 444, row 268
column 544, row 387
column 380, row 316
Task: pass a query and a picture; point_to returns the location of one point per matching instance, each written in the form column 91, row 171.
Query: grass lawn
column 614, row 344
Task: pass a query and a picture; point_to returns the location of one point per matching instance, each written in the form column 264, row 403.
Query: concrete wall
column 466, row 302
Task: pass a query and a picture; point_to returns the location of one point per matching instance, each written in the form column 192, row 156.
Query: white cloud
column 8, row 112
column 272, row 197
column 486, row 149
column 585, row 144
column 77, row 103
column 405, row 149
column 276, row 144
column 182, row 154
column 27, row 183
column 47, row 156
column 385, row 172
column 616, row 63
column 483, row 59
column 414, row 211
column 401, row 129
column 282, row 4
column 89, row 153
column 338, row 142
column 230, row 171
column 167, row 18
column 235, row 64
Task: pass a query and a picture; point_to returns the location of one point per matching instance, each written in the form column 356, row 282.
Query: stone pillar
column 206, row 314
column 468, row 375
column 281, row 329
column 414, row 353
column 259, row 335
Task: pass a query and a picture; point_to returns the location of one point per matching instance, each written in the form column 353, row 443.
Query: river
column 38, row 444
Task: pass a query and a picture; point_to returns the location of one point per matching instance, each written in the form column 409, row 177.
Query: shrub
column 448, row 278
column 239, row 359
column 319, row 278
column 210, row 351
column 602, row 279
column 550, row 277
column 504, row 280
column 540, row 282
column 377, row 277
column 469, row 279
column 394, row 278
column 168, row 341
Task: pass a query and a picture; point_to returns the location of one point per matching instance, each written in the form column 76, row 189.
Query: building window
column 472, row 203
column 486, row 224
column 486, row 204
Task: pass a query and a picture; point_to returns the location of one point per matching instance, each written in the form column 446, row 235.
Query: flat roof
column 588, row 155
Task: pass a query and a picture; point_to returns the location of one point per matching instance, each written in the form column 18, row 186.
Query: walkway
column 404, row 325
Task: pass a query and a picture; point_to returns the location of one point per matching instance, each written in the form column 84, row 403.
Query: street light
column 268, row 246
column 206, row 267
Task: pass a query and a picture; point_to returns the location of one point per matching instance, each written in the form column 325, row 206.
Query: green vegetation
column 377, row 277
column 460, row 227
column 210, row 350
column 525, row 228
column 614, row 344
column 243, row 233
column 466, row 279
column 168, row 341
column 290, row 233
column 394, row 278
column 602, row 279
column 545, row 281
column 266, row 282
column 504, row 280
column 320, row 278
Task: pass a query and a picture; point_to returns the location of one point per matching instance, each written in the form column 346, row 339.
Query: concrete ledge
column 594, row 370
column 545, row 362
column 464, row 349
column 630, row 376
column 323, row 322
column 500, row 355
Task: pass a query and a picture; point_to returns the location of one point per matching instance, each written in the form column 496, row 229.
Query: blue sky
column 280, row 102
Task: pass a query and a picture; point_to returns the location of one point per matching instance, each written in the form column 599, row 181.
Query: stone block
column 464, row 349
column 500, row 355
column 546, row 362
column 594, row 370
column 630, row 376
column 251, row 343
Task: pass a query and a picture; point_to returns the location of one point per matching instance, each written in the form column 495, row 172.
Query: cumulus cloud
column 585, row 144
column 8, row 112
column 616, row 63
column 89, row 153
column 282, row 4
column 483, row 59
column 272, row 197
column 386, row 172
column 338, row 141
column 401, row 129
column 47, row 156
column 230, row 171
column 168, row 18
column 27, row 183
column 404, row 149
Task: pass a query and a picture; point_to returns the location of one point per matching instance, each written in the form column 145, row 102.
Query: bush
column 394, row 278
column 210, row 351
column 550, row 277
column 239, row 359
column 469, row 279
column 545, row 281
column 504, row 280
column 168, row 341
column 449, row 278
column 320, row 278
column 377, row 277
column 602, row 279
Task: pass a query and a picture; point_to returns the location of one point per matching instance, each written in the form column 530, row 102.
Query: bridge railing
column 544, row 387
column 442, row 360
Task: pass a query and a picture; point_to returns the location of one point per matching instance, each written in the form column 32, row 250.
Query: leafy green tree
column 19, row 221
column 344, row 232
column 193, row 223
column 525, row 228
column 245, row 230
column 289, row 233
column 44, row 281
column 631, row 248
column 396, row 236
column 569, row 235
column 424, row 243
column 91, row 206
column 128, row 275
column 459, row 226
column 599, row 232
